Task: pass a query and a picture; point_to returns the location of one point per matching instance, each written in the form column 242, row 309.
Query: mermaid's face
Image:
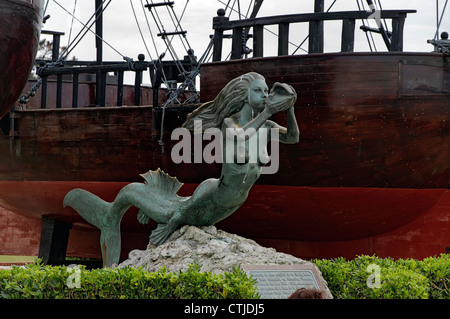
column 257, row 94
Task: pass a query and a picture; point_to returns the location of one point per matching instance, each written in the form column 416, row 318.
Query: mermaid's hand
column 282, row 96
column 143, row 218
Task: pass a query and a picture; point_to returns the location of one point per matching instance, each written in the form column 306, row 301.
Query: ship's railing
column 75, row 68
column 393, row 39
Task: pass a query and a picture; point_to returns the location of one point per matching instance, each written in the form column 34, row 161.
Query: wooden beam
column 348, row 35
column 306, row 17
column 283, row 39
column 397, row 33
column 44, row 91
column 84, row 69
column 75, row 81
column 120, row 88
column 59, row 91
column 236, row 45
column 218, row 35
column 258, row 41
column 54, row 239
column 316, row 30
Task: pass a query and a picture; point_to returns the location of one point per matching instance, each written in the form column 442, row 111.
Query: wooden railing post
column 58, row 91
column 283, row 39
column 44, row 92
column 236, row 44
column 139, row 67
column 119, row 88
column 75, row 77
column 316, row 30
column 348, row 35
column 55, row 46
column 218, row 35
column 397, row 32
column 258, row 41
column 102, row 91
column 137, row 88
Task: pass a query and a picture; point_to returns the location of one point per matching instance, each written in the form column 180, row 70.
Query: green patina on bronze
column 244, row 103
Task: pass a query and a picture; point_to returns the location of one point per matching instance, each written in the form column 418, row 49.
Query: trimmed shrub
column 37, row 281
column 437, row 270
column 370, row 277
column 365, row 277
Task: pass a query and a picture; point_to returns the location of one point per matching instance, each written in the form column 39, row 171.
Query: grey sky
column 121, row 30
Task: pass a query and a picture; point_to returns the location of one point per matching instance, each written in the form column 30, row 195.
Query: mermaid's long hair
column 229, row 101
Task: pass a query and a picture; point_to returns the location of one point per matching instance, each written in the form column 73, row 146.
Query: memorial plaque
column 280, row 281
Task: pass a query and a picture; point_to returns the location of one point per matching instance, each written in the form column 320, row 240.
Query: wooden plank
column 283, row 39
column 337, row 73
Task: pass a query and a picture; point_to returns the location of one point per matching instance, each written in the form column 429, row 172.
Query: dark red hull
column 309, row 222
column 370, row 174
column 20, row 27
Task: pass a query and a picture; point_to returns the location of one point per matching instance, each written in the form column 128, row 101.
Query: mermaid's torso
column 216, row 199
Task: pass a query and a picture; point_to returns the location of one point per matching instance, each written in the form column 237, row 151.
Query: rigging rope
column 440, row 45
column 364, row 24
column 163, row 74
column 71, row 23
column 384, row 20
column 168, row 42
column 306, row 38
column 45, row 9
column 88, row 28
column 140, row 31
column 180, row 89
column 439, row 20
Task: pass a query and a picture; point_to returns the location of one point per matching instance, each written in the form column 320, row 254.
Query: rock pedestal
column 217, row 251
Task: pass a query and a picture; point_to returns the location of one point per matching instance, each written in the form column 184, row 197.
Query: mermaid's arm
column 289, row 134
column 248, row 130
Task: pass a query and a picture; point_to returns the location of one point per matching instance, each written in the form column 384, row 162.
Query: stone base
column 217, row 251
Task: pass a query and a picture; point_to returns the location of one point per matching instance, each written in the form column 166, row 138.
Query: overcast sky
column 122, row 33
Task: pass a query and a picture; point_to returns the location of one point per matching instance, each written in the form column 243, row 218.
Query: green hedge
column 398, row 279
column 59, row 282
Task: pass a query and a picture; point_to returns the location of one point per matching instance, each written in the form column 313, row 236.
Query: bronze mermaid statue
column 243, row 105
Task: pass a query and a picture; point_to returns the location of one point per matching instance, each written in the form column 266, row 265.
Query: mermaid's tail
column 99, row 213
column 156, row 199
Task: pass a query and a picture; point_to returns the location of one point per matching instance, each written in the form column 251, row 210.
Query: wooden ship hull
column 20, row 27
column 371, row 162
column 369, row 176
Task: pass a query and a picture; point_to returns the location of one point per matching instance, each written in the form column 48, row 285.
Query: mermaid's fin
column 161, row 182
column 160, row 235
column 143, row 218
column 165, row 188
column 99, row 213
